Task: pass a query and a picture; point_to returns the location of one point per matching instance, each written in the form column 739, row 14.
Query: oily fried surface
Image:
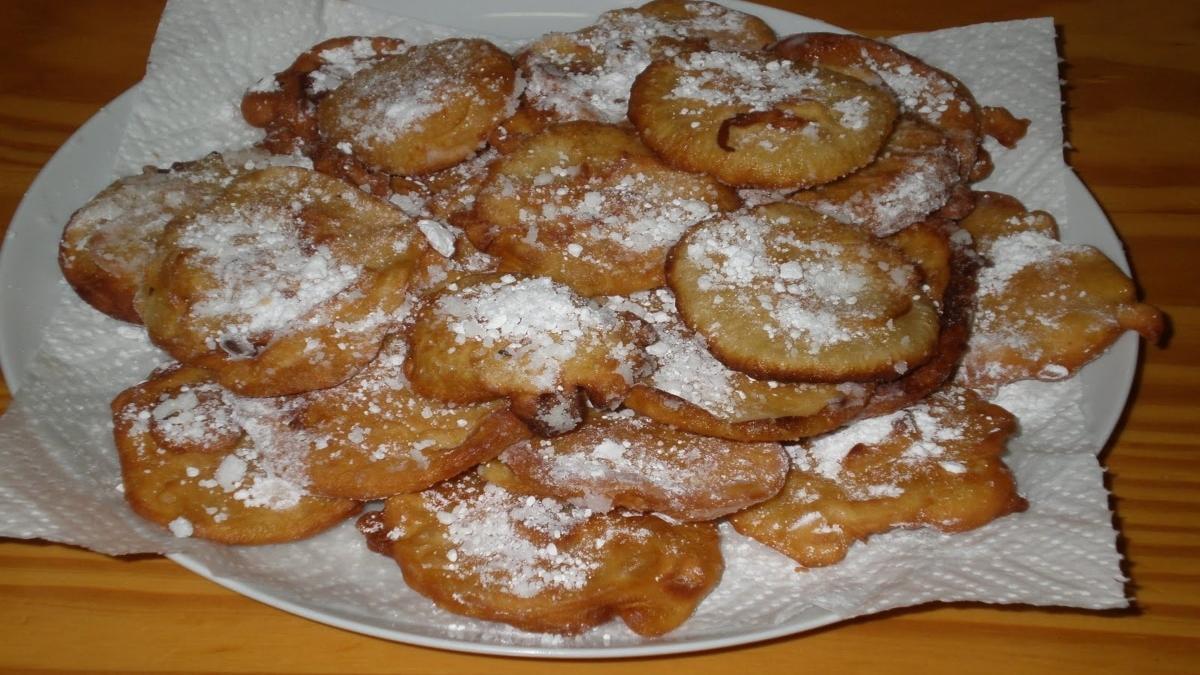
column 589, row 206
column 934, row 464
column 693, row 391
column 108, row 242
column 623, row 460
column 1043, row 308
column 756, row 120
column 587, row 74
column 425, row 109
column 530, row 339
column 781, row 292
column 915, row 174
column 377, row 437
column 935, row 96
column 285, row 104
column 543, row 565
column 206, row 463
column 285, row 283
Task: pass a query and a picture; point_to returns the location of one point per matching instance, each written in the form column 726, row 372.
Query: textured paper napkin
column 62, row 481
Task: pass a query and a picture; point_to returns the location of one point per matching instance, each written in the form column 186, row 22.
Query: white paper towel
column 61, row 480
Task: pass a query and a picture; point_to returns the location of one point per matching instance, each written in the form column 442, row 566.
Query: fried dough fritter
column 587, row 74
column 626, row 461
column 934, row 464
column 693, row 391
column 376, row 437
column 424, row 109
column 285, row 104
column 935, row 96
column 542, row 565
column 756, row 120
column 285, row 283
column 108, row 242
column 1043, row 308
column 783, row 293
column 206, row 463
column 530, row 339
column 591, row 207
column 915, row 174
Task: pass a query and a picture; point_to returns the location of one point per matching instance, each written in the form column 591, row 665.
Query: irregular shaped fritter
column 425, row 109
column 108, row 242
column 375, row 437
column 693, row 391
column 204, row 462
column 756, row 120
column 285, row 283
column 935, row 96
column 589, row 206
column 619, row 459
column 530, row 339
column 587, row 74
column 285, row 104
column 1043, row 308
column 915, row 174
column 781, row 292
column 543, row 565
column 934, row 464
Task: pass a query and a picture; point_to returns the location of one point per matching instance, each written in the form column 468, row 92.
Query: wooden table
column 1133, row 92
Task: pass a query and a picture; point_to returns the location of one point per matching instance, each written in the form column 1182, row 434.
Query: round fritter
column 375, row 437
column 693, row 391
column 285, row 283
column 619, row 459
column 933, row 95
column 783, row 293
column 1043, row 308
column 543, row 565
column 108, row 242
column 285, row 104
column 587, row 74
column 589, row 206
column 756, row 120
column 934, row 464
column 204, row 462
column 425, row 109
column 915, row 174
column 530, row 339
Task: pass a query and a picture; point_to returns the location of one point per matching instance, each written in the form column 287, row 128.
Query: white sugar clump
column 730, row 78
column 540, row 322
column 267, row 275
column 488, row 532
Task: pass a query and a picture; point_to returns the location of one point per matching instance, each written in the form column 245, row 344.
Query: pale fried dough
column 376, row 437
column 1043, row 308
column 915, row 174
column 285, row 283
column 756, row 120
column 542, row 565
column 206, row 463
column 589, row 206
column 530, row 339
column 784, row 293
column 695, row 392
column 934, row 464
column 622, row 460
column 425, row 109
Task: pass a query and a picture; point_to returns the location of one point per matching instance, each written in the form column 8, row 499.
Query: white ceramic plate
column 30, row 281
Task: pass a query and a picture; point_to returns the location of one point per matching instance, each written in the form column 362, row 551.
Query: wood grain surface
column 1133, row 96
